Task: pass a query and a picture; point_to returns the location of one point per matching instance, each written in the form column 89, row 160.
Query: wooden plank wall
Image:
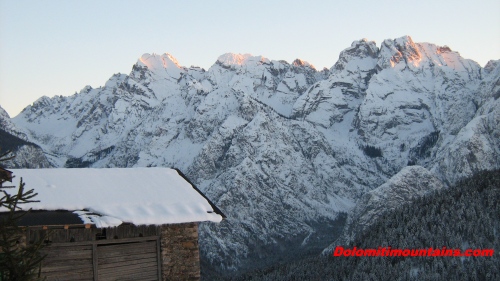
column 131, row 261
column 177, row 251
column 68, row 262
column 116, row 259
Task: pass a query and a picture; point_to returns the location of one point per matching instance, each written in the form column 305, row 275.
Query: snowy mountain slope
column 426, row 89
column 476, row 147
column 27, row 154
column 400, row 94
column 8, row 126
column 410, row 183
column 281, row 148
column 272, row 203
column 274, row 83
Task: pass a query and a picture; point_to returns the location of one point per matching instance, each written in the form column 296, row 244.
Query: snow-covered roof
column 110, row 196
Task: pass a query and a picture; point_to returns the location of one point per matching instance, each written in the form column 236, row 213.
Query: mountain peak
column 360, row 49
column 299, row 62
column 154, row 60
column 404, row 40
column 491, row 65
column 399, row 49
column 3, row 114
column 86, row 89
column 161, row 63
column 231, row 59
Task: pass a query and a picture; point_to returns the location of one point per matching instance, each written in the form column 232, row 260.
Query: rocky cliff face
column 410, row 183
column 280, row 147
column 27, row 154
column 476, row 146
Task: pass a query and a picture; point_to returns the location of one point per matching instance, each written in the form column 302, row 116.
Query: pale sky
column 56, row 47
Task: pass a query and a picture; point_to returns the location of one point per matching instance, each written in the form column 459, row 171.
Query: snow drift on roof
column 134, row 195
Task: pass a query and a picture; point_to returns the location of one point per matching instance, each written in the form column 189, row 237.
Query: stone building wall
column 180, row 252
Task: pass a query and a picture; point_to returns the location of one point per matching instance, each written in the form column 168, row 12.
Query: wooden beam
column 159, row 257
column 94, row 261
column 107, row 241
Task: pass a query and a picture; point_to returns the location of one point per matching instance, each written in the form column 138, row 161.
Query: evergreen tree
column 19, row 260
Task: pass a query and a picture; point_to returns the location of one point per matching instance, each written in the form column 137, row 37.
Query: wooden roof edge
column 215, row 208
column 59, row 226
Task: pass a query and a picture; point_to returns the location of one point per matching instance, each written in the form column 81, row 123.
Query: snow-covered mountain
column 27, row 154
column 282, row 148
column 409, row 184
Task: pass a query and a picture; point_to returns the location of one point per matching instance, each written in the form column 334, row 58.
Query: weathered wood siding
column 68, row 262
column 119, row 259
column 128, row 261
column 127, row 252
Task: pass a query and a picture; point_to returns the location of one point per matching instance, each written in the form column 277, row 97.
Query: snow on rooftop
column 134, row 195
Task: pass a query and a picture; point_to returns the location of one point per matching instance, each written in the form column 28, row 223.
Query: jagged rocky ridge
column 282, row 148
column 27, row 154
column 408, row 185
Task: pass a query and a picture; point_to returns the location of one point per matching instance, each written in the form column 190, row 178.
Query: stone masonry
column 180, row 252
